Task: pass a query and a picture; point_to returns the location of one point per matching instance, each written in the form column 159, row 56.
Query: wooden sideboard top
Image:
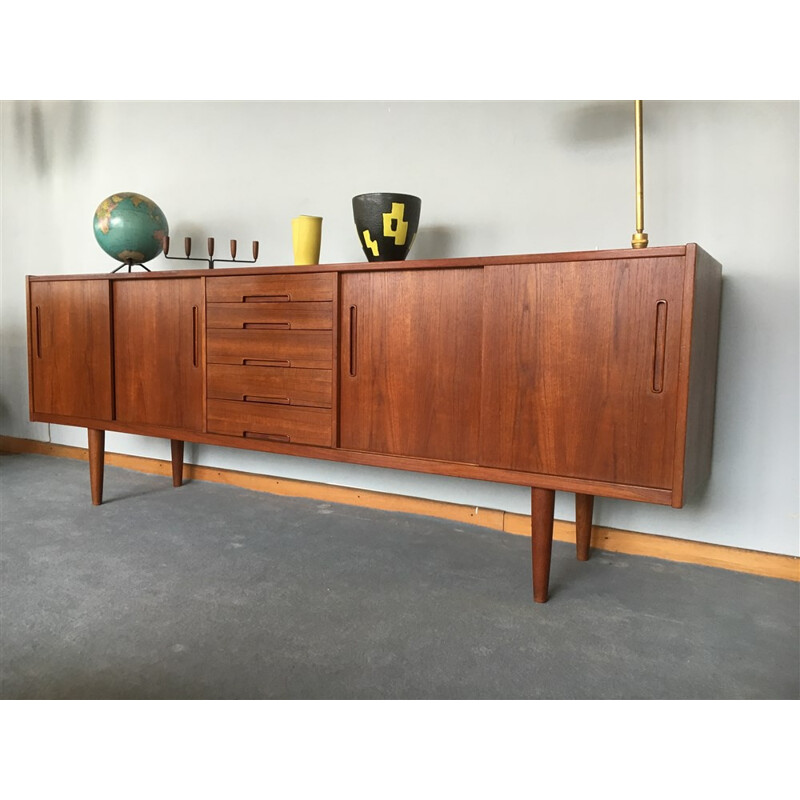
column 360, row 266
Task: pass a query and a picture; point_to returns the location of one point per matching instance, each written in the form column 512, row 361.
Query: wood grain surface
column 410, row 364
column 69, row 347
column 159, row 361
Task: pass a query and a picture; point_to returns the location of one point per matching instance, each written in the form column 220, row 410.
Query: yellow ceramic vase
column 306, row 239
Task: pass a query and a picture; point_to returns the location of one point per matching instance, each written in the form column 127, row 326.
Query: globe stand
column 129, row 263
column 187, row 245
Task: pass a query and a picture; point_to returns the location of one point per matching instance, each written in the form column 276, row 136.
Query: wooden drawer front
column 271, row 316
column 281, row 288
column 294, row 387
column 308, row 349
column 272, row 423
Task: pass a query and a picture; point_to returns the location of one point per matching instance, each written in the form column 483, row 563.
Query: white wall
column 495, row 178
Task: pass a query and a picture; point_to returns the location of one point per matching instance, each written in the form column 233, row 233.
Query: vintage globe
column 130, row 227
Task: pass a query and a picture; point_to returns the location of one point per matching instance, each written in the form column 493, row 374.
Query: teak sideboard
column 587, row 372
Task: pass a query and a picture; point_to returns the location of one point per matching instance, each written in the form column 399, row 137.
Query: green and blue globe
column 130, row 227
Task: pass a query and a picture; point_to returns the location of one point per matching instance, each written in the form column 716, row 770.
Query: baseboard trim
column 754, row 562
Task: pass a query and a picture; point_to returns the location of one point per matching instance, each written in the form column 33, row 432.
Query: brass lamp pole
column 639, row 239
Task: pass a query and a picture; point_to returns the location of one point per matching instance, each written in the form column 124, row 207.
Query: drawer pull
column 267, row 326
column 659, row 355
column 269, row 437
column 253, row 398
column 266, row 298
column 258, row 362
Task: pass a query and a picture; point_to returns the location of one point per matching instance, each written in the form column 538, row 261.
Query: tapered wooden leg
column 97, row 454
column 542, row 505
column 177, row 462
column 584, row 505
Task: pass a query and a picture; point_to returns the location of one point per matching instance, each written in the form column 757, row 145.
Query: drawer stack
column 270, row 357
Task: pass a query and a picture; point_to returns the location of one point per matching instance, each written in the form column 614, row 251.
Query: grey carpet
column 210, row 591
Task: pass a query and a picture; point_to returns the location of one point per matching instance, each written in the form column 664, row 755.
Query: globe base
column 130, row 263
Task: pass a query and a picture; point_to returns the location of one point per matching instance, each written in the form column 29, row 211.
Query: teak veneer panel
column 697, row 387
column 269, row 422
column 309, row 349
column 410, row 363
column 303, row 387
column 69, row 349
column 581, row 369
column 274, row 316
column 158, row 352
column 272, row 288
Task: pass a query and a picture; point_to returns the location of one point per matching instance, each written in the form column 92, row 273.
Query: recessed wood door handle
column 195, row 338
column 353, row 341
column 38, row 333
column 660, row 346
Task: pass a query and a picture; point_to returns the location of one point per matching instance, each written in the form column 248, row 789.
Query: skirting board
column 772, row 565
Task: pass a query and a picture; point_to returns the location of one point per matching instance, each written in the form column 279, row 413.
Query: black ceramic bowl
column 387, row 223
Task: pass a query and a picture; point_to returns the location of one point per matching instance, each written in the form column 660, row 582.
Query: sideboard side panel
column 704, row 275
